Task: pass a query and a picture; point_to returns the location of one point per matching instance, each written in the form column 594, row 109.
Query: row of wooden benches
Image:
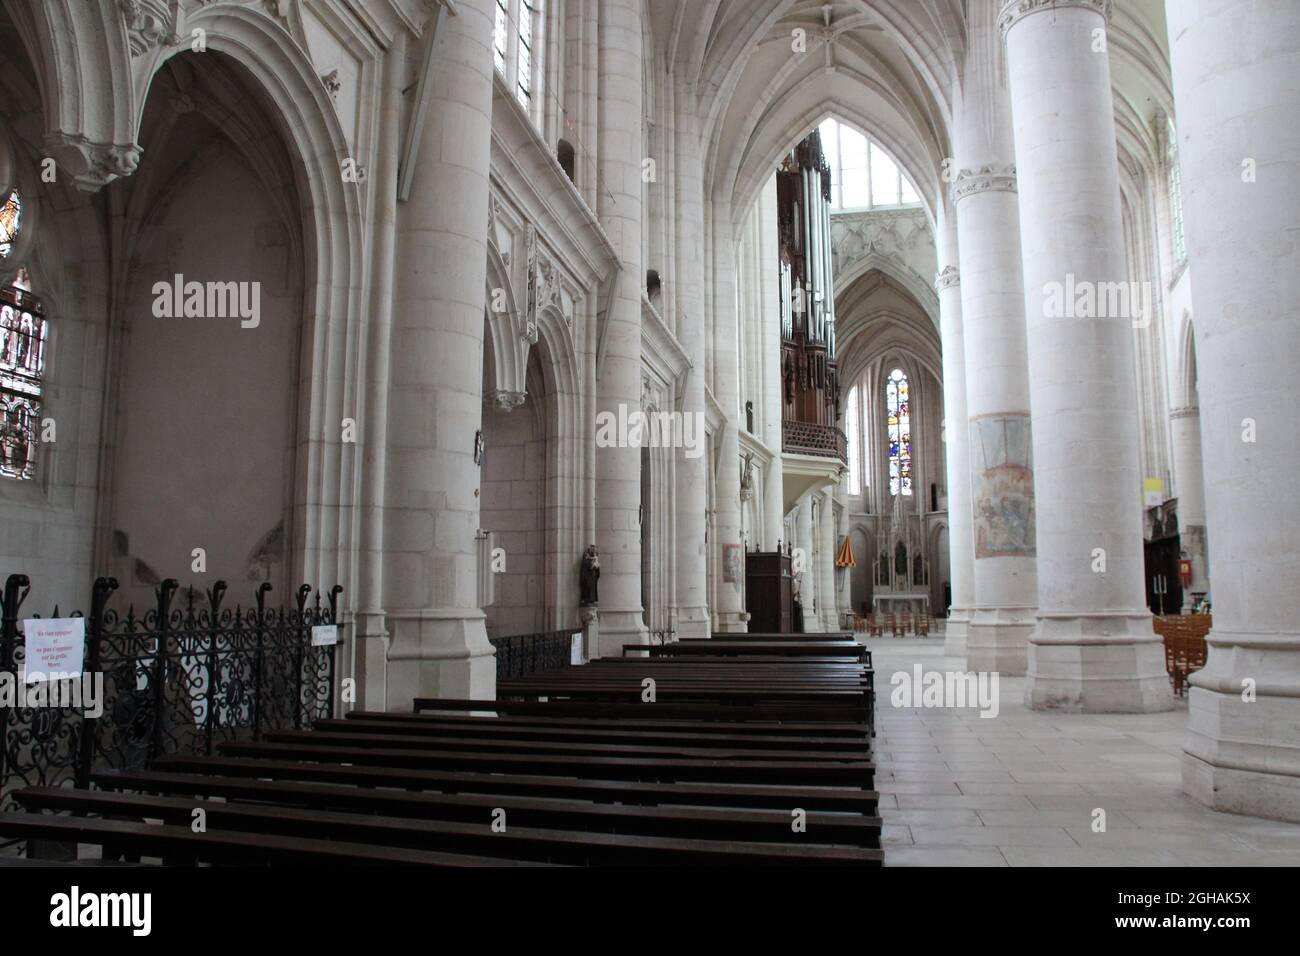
column 582, row 772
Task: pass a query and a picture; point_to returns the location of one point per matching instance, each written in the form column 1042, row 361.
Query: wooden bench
column 382, row 834
column 744, row 736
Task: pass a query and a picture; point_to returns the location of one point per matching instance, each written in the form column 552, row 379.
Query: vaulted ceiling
column 765, row 72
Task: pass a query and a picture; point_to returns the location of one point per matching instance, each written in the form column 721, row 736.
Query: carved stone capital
column 992, row 178
column 150, row 23
column 949, row 278
column 508, row 401
column 93, row 165
column 1013, row 11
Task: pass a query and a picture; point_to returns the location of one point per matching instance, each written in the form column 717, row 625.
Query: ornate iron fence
column 522, row 654
column 180, row 678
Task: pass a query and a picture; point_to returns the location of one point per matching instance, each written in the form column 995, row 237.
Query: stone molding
column 995, row 177
column 1191, row 411
column 1016, row 10
column 949, row 278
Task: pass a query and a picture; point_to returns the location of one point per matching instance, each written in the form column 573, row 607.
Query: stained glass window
column 898, row 420
column 10, row 222
column 22, row 368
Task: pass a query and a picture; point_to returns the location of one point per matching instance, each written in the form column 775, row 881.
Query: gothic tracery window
column 863, row 176
column 853, row 427
column 898, row 419
column 1175, row 196
column 516, row 40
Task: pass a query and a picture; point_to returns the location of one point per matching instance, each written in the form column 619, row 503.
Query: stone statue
column 588, row 577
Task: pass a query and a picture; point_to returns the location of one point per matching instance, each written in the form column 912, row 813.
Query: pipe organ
column 807, row 287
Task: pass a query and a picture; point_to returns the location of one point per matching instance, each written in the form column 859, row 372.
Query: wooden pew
column 744, row 735
column 379, row 833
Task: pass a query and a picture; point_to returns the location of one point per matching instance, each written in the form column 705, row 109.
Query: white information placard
column 323, row 635
column 55, row 645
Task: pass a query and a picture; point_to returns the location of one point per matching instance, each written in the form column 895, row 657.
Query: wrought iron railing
column 522, row 654
column 177, row 679
column 806, row 438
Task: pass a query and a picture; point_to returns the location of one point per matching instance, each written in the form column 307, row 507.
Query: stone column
column 439, row 644
column 770, row 315
column 618, row 469
column 999, row 453
column 691, row 464
column 1234, row 70
column 827, row 601
column 1093, row 649
column 961, row 556
column 1185, row 437
column 726, row 389
column 808, row 582
column 370, row 652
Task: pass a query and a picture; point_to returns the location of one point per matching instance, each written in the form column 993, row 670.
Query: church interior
column 683, row 432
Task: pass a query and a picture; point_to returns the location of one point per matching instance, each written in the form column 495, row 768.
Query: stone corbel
column 83, row 53
column 150, row 23
column 947, row 279
column 508, row 401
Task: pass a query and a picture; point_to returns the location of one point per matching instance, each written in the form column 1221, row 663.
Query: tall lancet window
column 898, row 418
column 22, row 358
column 852, row 427
column 516, row 42
column 1175, row 196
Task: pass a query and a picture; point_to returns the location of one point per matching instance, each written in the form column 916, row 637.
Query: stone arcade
column 980, row 313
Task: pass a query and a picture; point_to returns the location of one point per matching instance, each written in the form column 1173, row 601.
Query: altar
column 900, row 602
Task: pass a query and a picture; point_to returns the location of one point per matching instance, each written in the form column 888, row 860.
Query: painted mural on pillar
column 1002, row 486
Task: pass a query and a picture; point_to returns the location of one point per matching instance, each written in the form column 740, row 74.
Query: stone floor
column 1020, row 789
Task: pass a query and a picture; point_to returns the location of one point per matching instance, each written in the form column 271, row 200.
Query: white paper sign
column 323, row 635
column 55, row 645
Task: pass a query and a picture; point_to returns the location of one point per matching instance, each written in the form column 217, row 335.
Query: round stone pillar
column 1185, row 437
column 1093, row 649
column 691, row 470
column 731, row 615
column 618, row 386
column 999, row 434
column 807, row 580
column 827, row 599
column 439, row 644
column 1234, row 68
column 770, row 342
column 961, row 557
